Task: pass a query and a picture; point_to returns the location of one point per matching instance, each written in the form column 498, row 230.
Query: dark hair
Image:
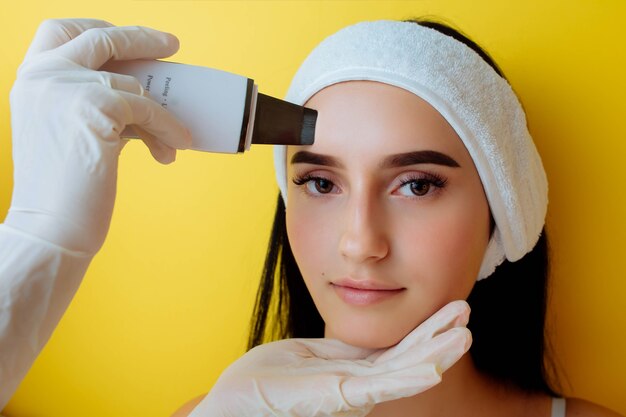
column 508, row 308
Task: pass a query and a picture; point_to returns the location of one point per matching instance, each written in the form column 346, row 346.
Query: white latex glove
column 323, row 377
column 37, row 283
column 66, row 119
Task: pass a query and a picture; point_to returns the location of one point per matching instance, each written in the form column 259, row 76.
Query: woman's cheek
column 443, row 249
column 309, row 230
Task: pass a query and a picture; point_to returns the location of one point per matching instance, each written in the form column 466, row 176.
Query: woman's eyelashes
column 419, row 185
column 315, row 184
column 411, row 185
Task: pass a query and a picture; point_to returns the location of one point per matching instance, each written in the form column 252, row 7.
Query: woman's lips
column 361, row 293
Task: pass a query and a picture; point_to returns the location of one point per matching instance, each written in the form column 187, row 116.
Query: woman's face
column 386, row 215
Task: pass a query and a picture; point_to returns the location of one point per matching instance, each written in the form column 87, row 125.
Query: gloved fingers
column 94, row 47
column 162, row 126
column 365, row 391
column 333, row 357
column 308, row 356
column 159, row 151
column 320, row 368
column 444, row 350
column 454, row 314
column 333, row 349
column 313, row 357
column 121, row 82
column 52, row 33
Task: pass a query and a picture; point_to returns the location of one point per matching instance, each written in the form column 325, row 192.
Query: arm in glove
column 37, row 283
column 322, row 377
column 66, row 118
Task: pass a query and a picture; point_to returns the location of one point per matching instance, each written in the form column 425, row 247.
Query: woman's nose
column 363, row 236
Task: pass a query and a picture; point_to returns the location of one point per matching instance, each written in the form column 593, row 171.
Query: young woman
column 66, row 118
column 422, row 178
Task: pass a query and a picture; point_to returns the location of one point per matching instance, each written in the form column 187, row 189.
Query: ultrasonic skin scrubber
column 224, row 111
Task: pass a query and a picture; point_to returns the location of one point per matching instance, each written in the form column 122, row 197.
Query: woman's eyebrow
column 392, row 161
column 419, row 157
column 306, row 157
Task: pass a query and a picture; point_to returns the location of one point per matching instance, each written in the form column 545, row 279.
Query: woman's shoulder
column 188, row 407
column 577, row 407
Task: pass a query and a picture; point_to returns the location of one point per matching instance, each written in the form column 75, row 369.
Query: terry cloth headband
column 478, row 103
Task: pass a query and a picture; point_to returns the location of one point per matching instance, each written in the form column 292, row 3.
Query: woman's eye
column 415, row 187
column 315, row 185
column 418, row 187
column 319, row 186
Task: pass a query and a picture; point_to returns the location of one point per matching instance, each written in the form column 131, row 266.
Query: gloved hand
column 66, row 120
column 323, row 377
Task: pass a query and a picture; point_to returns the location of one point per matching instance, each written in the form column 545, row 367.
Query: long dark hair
column 508, row 308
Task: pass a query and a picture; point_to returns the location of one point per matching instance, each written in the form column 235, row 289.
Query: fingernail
column 462, row 311
column 187, row 140
column 459, row 342
column 172, row 40
column 169, row 158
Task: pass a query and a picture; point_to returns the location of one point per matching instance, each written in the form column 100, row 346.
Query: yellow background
column 165, row 305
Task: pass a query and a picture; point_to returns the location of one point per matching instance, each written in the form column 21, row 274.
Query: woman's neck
column 464, row 391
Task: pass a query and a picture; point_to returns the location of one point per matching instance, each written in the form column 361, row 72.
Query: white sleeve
column 37, row 283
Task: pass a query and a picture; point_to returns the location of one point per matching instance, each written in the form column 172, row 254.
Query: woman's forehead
column 367, row 119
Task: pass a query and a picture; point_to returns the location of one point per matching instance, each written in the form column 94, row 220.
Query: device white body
column 216, row 106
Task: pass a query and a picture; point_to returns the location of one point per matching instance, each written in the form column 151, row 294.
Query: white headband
column 478, row 103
